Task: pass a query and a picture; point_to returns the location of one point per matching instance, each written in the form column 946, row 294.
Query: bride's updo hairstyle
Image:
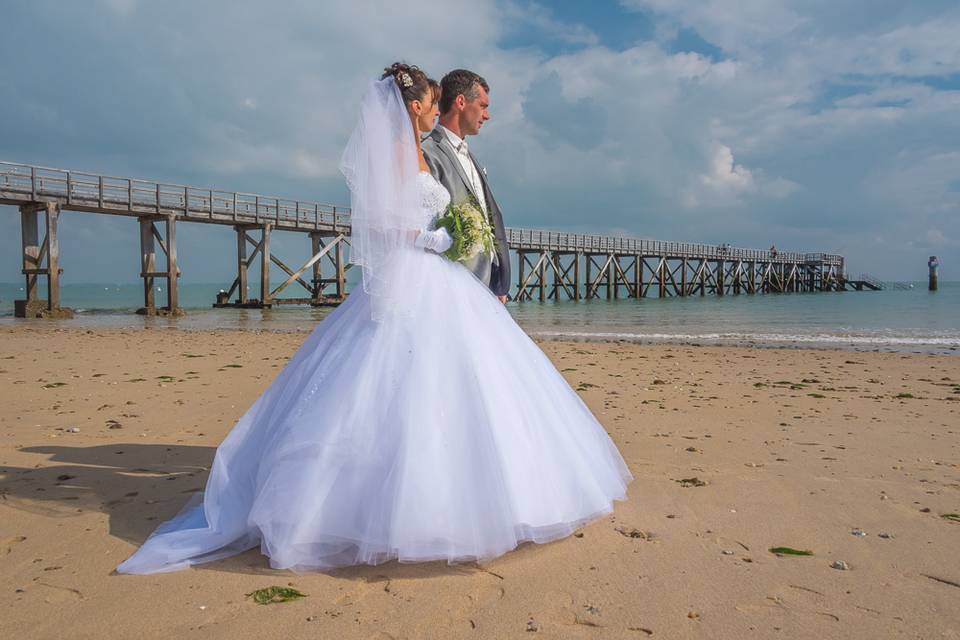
column 413, row 83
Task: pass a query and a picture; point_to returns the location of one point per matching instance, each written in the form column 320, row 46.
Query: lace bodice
column 434, row 197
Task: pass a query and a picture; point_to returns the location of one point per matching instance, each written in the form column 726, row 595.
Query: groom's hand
column 503, row 299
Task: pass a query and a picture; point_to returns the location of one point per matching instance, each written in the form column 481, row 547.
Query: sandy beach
column 853, row 456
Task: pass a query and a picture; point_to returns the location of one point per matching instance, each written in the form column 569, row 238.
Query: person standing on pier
column 464, row 107
column 417, row 421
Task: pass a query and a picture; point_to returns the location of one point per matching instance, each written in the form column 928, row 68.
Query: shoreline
column 896, row 321
column 856, row 344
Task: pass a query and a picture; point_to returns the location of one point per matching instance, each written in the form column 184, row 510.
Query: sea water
column 895, row 319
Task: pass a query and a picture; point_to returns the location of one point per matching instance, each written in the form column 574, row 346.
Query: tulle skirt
column 448, row 435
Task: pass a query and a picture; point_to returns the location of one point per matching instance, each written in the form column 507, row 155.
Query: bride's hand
column 437, row 241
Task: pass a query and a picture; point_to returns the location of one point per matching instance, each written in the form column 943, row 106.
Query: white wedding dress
column 448, row 435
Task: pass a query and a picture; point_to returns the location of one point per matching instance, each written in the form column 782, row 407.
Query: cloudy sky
column 818, row 125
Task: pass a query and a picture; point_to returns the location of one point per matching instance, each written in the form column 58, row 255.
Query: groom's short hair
column 460, row 81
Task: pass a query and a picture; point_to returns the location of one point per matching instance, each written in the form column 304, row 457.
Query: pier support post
column 612, row 276
column 316, row 246
column 32, row 259
column 662, row 277
column 341, row 271
column 641, row 283
column 934, row 265
column 320, row 242
column 173, row 271
column 265, row 264
column 638, row 276
column 149, row 238
column 520, row 279
column 33, row 254
column 557, row 280
column 611, row 282
column 542, row 276
column 576, row 275
column 719, row 273
column 148, row 265
column 588, row 261
column 243, row 293
column 53, row 257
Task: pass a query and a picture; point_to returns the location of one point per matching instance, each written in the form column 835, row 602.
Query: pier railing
column 112, row 194
column 560, row 241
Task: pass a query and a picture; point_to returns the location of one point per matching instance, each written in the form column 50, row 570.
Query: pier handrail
column 89, row 191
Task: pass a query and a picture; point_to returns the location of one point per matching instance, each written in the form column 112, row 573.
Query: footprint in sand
column 557, row 607
column 11, row 542
column 61, row 595
column 729, row 544
column 793, row 600
column 477, row 598
column 486, row 595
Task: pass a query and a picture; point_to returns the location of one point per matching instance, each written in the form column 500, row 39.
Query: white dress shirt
column 463, row 155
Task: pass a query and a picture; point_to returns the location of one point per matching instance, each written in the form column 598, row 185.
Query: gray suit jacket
column 442, row 159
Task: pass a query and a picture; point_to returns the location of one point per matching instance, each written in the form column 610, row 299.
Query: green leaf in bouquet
column 468, row 227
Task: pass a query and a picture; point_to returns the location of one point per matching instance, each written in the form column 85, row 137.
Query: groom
column 463, row 110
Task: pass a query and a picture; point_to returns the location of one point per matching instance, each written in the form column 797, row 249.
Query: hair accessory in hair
column 405, row 79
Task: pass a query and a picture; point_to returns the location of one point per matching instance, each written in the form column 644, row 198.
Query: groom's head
column 464, row 100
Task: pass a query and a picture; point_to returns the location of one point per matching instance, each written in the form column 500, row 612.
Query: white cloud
column 935, row 238
column 724, row 175
column 921, row 185
column 533, row 14
column 931, row 48
column 738, row 27
column 780, row 188
column 726, row 182
column 122, row 7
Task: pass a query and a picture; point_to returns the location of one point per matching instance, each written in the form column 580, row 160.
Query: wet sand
column 853, row 456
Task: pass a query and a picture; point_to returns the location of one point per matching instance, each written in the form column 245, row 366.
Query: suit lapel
column 479, row 170
column 448, row 149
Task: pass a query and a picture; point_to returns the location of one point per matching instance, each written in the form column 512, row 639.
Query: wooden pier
column 555, row 265
column 552, row 265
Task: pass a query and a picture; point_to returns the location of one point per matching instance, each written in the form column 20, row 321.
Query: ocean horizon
column 894, row 319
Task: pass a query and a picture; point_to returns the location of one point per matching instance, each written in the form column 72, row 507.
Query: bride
column 417, row 421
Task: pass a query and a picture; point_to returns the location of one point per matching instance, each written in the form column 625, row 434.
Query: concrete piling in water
column 934, row 265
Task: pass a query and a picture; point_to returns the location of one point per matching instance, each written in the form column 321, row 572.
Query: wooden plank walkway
column 552, row 264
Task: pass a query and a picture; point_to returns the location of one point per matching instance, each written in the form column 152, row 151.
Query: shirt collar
column 454, row 139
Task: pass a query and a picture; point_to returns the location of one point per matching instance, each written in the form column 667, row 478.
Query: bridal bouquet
column 470, row 230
